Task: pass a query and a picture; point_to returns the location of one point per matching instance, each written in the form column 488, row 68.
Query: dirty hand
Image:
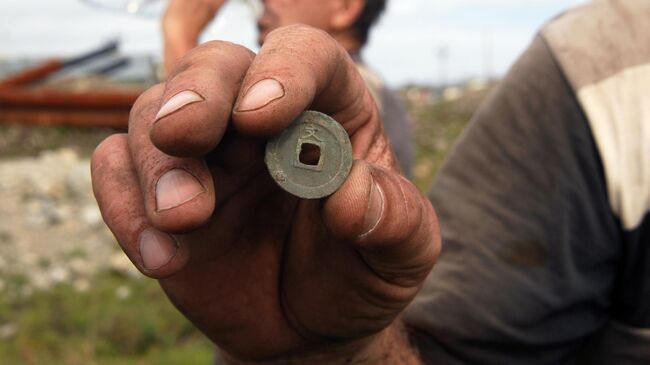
column 182, row 23
column 265, row 275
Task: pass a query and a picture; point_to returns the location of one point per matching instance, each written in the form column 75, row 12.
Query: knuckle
column 305, row 37
column 102, row 159
column 411, row 208
column 302, row 32
column 312, row 52
column 146, row 102
column 211, row 54
column 225, row 47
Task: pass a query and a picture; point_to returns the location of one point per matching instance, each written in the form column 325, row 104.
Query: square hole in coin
column 309, row 154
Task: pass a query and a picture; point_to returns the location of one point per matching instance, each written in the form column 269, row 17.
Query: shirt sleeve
column 396, row 122
column 397, row 126
column 530, row 245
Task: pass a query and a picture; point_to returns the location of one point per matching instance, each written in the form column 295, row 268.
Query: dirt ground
column 51, row 230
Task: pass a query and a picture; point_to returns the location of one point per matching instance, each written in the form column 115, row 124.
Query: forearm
column 175, row 46
column 389, row 347
column 182, row 24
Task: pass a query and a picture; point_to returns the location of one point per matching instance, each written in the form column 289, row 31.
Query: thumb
column 388, row 221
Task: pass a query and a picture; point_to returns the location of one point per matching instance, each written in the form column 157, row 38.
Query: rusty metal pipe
column 41, row 71
column 31, row 74
column 118, row 119
column 67, row 99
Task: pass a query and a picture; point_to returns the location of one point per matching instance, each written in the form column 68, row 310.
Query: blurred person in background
column 348, row 21
column 544, row 208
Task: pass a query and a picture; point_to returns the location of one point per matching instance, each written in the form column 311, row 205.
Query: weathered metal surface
column 41, row 71
column 67, row 99
column 326, row 156
column 118, row 119
column 32, row 74
column 23, row 101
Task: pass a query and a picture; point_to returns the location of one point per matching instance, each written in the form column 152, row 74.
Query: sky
column 416, row 41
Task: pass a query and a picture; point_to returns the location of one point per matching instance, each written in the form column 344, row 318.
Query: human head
column 348, row 21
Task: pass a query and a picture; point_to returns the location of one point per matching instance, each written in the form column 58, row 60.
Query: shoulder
column 603, row 49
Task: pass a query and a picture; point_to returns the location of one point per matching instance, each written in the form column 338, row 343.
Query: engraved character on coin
column 312, row 157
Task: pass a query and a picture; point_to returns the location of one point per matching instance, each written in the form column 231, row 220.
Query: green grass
column 437, row 127
column 119, row 320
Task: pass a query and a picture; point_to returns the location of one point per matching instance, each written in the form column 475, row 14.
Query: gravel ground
column 51, row 230
column 17, row 140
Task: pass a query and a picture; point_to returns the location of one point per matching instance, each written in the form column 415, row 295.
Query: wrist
column 389, row 347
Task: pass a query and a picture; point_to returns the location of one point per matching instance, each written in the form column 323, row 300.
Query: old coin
column 312, row 157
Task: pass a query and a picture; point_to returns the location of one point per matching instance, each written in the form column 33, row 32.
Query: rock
column 122, row 265
column 5, row 237
column 123, row 292
column 80, row 266
column 39, row 280
column 91, row 215
column 78, row 181
column 81, row 285
column 8, row 331
column 44, row 213
column 59, row 274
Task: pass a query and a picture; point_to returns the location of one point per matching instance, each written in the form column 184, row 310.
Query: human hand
column 263, row 274
column 182, row 24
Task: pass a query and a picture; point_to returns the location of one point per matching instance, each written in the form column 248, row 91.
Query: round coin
column 312, row 157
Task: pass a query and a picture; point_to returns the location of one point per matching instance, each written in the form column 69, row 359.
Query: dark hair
column 369, row 15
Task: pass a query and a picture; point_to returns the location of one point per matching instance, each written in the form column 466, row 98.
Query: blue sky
column 480, row 37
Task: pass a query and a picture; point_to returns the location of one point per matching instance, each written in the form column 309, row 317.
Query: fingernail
column 176, row 187
column 375, row 209
column 157, row 249
column 178, row 101
column 261, row 94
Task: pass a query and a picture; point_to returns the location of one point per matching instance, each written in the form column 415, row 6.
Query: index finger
column 301, row 68
column 178, row 188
